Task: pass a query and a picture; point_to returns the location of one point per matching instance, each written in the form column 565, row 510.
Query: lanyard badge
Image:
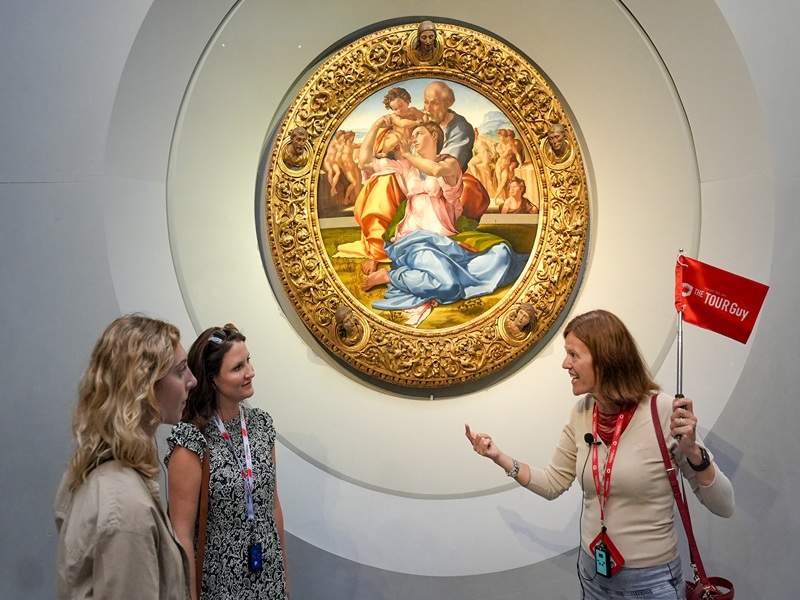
column 254, row 550
column 608, row 559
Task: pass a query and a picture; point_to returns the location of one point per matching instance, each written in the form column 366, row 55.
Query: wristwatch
column 704, row 463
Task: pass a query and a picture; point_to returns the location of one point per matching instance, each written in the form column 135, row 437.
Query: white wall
column 91, row 99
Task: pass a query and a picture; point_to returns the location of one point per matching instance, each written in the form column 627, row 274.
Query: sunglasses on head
column 220, row 336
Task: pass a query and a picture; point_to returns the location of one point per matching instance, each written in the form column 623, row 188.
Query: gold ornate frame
column 378, row 347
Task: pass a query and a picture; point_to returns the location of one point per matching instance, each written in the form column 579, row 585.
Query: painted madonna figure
column 432, row 262
column 383, row 193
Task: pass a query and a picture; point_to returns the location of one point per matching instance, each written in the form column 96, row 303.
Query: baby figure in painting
column 404, row 118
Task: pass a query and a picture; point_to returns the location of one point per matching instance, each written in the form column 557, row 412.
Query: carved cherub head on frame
column 295, row 153
column 426, row 39
column 348, row 329
column 523, row 321
column 424, row 46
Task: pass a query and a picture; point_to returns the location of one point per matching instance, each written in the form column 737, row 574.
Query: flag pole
column 679, row 378
column 679, row 383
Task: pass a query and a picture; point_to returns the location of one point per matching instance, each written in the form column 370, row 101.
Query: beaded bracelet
column 514, row 469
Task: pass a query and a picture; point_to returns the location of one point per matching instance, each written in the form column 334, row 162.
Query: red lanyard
column 602, row 496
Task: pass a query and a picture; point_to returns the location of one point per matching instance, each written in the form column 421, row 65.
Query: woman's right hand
column 482, row 443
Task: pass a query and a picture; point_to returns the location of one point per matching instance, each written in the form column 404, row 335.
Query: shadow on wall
column 533, row 537
column 755, row 495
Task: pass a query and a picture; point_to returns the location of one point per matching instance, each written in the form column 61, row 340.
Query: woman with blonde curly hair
column 115, row 540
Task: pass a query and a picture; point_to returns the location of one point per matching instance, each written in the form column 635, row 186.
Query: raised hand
column 482, row 443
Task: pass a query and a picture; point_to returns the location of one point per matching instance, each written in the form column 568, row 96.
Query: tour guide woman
column 611, row 427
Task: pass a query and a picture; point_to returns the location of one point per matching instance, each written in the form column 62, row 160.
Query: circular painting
column 426, row 205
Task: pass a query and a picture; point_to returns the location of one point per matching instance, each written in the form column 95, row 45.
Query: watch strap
column 705, row 461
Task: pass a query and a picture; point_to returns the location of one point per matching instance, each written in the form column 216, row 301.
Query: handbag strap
column 683, row 508
column 202, row 520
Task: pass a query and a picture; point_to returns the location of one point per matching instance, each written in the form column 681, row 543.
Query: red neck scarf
column 606, row 422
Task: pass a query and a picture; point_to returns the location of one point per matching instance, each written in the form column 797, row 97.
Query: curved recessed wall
column 367, row 465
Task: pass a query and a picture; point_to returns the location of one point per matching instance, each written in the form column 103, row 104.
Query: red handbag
column 703, row 587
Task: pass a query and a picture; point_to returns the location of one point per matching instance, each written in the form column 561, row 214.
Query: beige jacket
column 115, row 541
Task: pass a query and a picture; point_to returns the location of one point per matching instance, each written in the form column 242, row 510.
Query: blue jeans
column 663, row 582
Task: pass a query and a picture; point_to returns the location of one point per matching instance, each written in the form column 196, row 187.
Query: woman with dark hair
column 114, row 540
column 628, row 520
column 244, row 550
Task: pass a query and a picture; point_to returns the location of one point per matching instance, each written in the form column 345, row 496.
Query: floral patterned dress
column 228, row 533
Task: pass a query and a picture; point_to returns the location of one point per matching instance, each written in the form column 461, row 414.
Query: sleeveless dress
column 228, row 534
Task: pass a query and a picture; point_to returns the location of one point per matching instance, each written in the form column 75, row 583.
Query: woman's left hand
column 683, row 424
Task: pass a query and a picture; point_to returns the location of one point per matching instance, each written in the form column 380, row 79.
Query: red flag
column 717, row 300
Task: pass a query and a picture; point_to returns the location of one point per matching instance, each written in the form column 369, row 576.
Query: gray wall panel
column 757, row 434
column 56, row 298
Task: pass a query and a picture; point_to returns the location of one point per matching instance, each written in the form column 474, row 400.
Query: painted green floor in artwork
column 521, row 238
